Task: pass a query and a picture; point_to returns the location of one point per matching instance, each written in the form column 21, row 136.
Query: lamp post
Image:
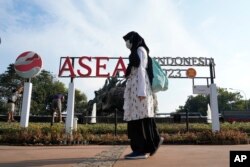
column 246, row 104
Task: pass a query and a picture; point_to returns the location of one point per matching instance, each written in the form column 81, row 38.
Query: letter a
column 122, row 68
column 67, row 66
column 237, row 158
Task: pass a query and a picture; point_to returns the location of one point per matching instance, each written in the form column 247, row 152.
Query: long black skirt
column 143, row 134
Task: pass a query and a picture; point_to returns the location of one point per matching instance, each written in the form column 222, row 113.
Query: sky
column 218, row 29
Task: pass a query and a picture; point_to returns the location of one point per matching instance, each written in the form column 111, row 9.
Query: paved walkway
column 108, row 156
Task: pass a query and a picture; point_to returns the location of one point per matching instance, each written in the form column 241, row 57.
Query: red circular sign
column 28, row 64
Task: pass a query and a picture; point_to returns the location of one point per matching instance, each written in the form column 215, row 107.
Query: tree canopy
column 226, row 101
column 44, row 87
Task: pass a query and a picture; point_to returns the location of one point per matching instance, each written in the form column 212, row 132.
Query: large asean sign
column 103, row 67
column 84, row 69
column 87, row 66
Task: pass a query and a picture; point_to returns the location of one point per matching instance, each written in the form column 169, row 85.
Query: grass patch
column 44, row 134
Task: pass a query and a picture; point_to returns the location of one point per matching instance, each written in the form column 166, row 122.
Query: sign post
column 214, row 108
column 26, row 104
column 70, row 108
column 27, row 65
column 214, row 101
column 208, row 90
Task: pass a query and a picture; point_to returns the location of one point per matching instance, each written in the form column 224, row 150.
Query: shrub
column 44, row 134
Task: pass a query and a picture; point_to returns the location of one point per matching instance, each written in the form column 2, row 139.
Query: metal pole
column 211, row 72
column 70, row 108
column 24, row 121
column 214, row 101
column 187, row 121
column 214, row 108
column 246, row 104
column 115, row 121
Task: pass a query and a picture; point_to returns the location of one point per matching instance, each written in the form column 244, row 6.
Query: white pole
column 70, row 108
column 93, row 114
column 75, row 124
column 209, row 116
column 214, row 108
column 26, row 104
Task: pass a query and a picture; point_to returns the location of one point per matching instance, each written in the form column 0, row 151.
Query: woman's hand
column 141, row 97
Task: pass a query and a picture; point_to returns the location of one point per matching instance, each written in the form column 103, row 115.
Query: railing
column 105, row 119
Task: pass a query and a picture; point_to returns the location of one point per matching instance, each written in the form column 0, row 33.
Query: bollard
column 93, row 114
column 75, row 124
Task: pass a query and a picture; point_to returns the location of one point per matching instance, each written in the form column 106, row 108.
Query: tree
column 9, row 81
column 226, row 101
column 195, row 104
column 80, row 102
column 43, row 89
column 229, row 101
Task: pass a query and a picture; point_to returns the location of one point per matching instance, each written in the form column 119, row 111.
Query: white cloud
column 95, row 28
column 235, row 75
column 210, row 21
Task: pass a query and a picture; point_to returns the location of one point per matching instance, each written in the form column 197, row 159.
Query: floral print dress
column 138, row 85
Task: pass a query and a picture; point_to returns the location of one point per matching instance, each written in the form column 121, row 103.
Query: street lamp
column 244, row 95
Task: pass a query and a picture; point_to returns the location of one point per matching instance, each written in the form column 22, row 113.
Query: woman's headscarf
column 134, row 60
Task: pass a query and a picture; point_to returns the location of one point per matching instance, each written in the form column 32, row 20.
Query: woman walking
column 138, row 100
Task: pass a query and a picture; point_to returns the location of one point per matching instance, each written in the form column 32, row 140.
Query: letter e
column 99, row 66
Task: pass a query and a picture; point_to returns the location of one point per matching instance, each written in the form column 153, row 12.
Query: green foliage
column 208, row 137
column 80, row 102
column 44, row 134
column 226, row 101
column 196, row 104
column 229, row 100
column 44, row 87
column 3, row 107
column 181, row 128
column 9, row 81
